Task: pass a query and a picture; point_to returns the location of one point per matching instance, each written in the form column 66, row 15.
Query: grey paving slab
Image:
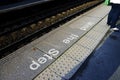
column 78, row 53
column 42, row 38
column 49, row 49
column 100, row 11
column 116, row 75
column 48, row 75
column 15, row 53
column 72, row 21
column 85, row 23
column 64, row 66
column 91, row 10
column 25, row 66
column 74, row 31
column 62, row 40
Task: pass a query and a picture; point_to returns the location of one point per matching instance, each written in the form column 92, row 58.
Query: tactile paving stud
column 95, row 35
column 78, row 53
column 48, row 75
column 88, row 42
column 101, row 28
column 65, row 66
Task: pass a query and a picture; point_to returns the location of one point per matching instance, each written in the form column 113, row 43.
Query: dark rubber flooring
column 103, row 62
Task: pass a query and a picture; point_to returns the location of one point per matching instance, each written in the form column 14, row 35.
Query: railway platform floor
column 59, row 54
column 104, row 63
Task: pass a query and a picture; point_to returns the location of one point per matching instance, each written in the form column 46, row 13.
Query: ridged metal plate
column 78, row 53
column 65, row 66
column 48, row 75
